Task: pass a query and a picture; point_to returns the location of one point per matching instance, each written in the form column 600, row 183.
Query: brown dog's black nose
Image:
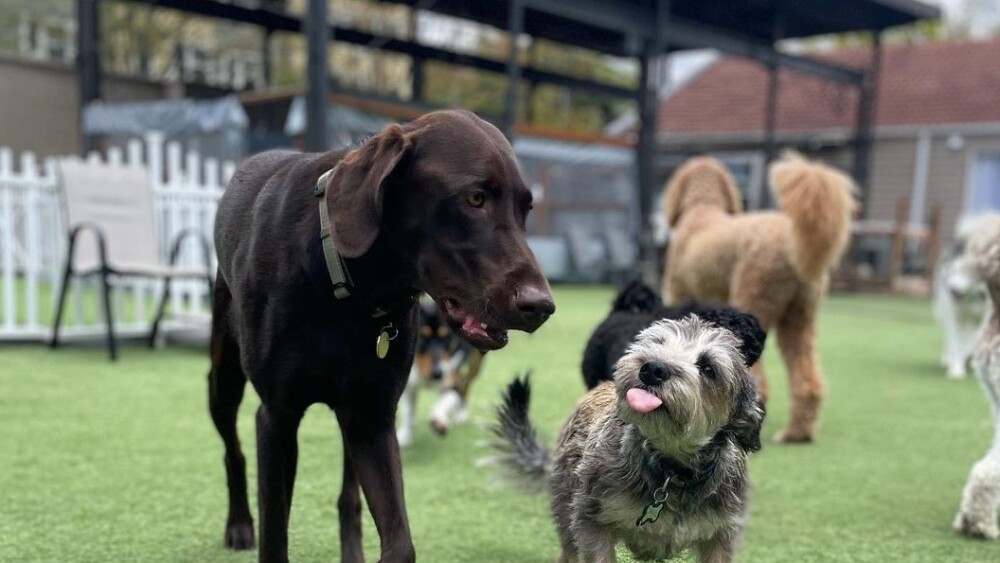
column 535, row 304
column 654, row 373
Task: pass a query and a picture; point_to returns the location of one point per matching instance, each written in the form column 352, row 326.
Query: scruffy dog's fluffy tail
column 819, row 200
column 521, row 454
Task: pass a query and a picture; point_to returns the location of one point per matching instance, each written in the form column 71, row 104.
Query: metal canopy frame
column 643, row 29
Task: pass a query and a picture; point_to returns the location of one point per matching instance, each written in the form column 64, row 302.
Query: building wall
column 39, row 104
column 948, row 174
column 891, row 176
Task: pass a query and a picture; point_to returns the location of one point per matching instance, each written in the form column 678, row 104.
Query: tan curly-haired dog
column 773, row 264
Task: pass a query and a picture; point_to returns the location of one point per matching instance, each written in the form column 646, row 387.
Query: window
column 745, row 168
column 984, row 189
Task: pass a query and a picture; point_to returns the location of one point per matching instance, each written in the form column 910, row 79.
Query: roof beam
column 619, row 17
column 689, row 35
column 686, row 34
column 920, row 10
column 281, row 22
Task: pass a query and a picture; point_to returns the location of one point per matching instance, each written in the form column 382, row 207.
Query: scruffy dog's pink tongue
column 642, row 401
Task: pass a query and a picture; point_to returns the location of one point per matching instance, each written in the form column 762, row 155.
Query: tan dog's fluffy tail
column 819, row 200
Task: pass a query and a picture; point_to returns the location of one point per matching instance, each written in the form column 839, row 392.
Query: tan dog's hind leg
column 760, row 376
column 755, row 299
column 797, row 341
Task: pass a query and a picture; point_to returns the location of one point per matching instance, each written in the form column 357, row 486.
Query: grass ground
column 102, row 462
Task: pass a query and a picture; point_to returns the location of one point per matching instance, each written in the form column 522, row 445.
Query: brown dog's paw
column 239, row 536
column 788, row 437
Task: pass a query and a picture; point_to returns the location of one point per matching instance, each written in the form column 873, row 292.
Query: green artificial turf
column 103, row 462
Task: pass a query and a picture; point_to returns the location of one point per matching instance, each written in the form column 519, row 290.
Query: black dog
column 636, row 307
column 437, row 205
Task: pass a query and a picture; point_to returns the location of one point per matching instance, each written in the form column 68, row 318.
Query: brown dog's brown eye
column 476, row 199
column 442, row 332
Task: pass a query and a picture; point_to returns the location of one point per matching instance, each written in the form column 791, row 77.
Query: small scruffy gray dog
column 655, row 459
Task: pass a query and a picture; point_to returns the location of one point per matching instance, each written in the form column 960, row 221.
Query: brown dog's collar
column 343, row 286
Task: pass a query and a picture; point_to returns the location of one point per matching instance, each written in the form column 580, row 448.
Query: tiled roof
column 927, row 83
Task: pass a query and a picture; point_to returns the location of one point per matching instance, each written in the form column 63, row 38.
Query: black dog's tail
column 520, row 453
column 636, row 297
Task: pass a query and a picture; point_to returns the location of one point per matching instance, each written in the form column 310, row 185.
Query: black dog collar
column 668, row 479
column 659, row 469
column 343, row 286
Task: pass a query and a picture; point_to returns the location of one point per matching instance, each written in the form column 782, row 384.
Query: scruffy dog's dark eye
column 706, row 368
column 476, row 199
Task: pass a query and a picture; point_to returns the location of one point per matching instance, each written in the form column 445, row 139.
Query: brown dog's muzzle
column 518, row 301
column 534, row 306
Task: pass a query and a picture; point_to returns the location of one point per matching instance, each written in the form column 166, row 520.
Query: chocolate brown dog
column 437, row 205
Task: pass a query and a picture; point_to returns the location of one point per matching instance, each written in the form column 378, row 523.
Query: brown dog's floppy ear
column 357, row 189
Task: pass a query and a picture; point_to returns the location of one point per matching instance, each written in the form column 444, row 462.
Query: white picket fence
column 33, row 241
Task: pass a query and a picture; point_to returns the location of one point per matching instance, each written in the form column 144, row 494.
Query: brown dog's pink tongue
column 642, row 401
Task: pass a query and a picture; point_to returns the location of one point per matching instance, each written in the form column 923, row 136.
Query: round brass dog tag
column 382, row 345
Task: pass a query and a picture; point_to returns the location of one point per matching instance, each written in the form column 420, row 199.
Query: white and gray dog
column 959, row 303
column 977, row 516
column 655, row 459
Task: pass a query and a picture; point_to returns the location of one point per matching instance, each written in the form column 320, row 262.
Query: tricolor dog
column 445, row 363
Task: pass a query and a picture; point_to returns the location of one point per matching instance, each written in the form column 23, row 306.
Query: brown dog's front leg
column 349, row 509
column 277, row 455
column 376, row 460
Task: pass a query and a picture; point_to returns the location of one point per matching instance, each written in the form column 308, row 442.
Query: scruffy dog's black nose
column 653, row 373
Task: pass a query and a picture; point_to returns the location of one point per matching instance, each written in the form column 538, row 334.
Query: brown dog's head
column 700, row 181
column 445, row 192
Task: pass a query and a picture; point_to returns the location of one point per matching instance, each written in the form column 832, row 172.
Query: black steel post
column 318, row 37
column 416, row 62
column 648, row 100
column 417, row 79
column 770, row 123
column 88, row 62
column 265, row 53
column 515, row 25
column 771, row 109
column 868, row 95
